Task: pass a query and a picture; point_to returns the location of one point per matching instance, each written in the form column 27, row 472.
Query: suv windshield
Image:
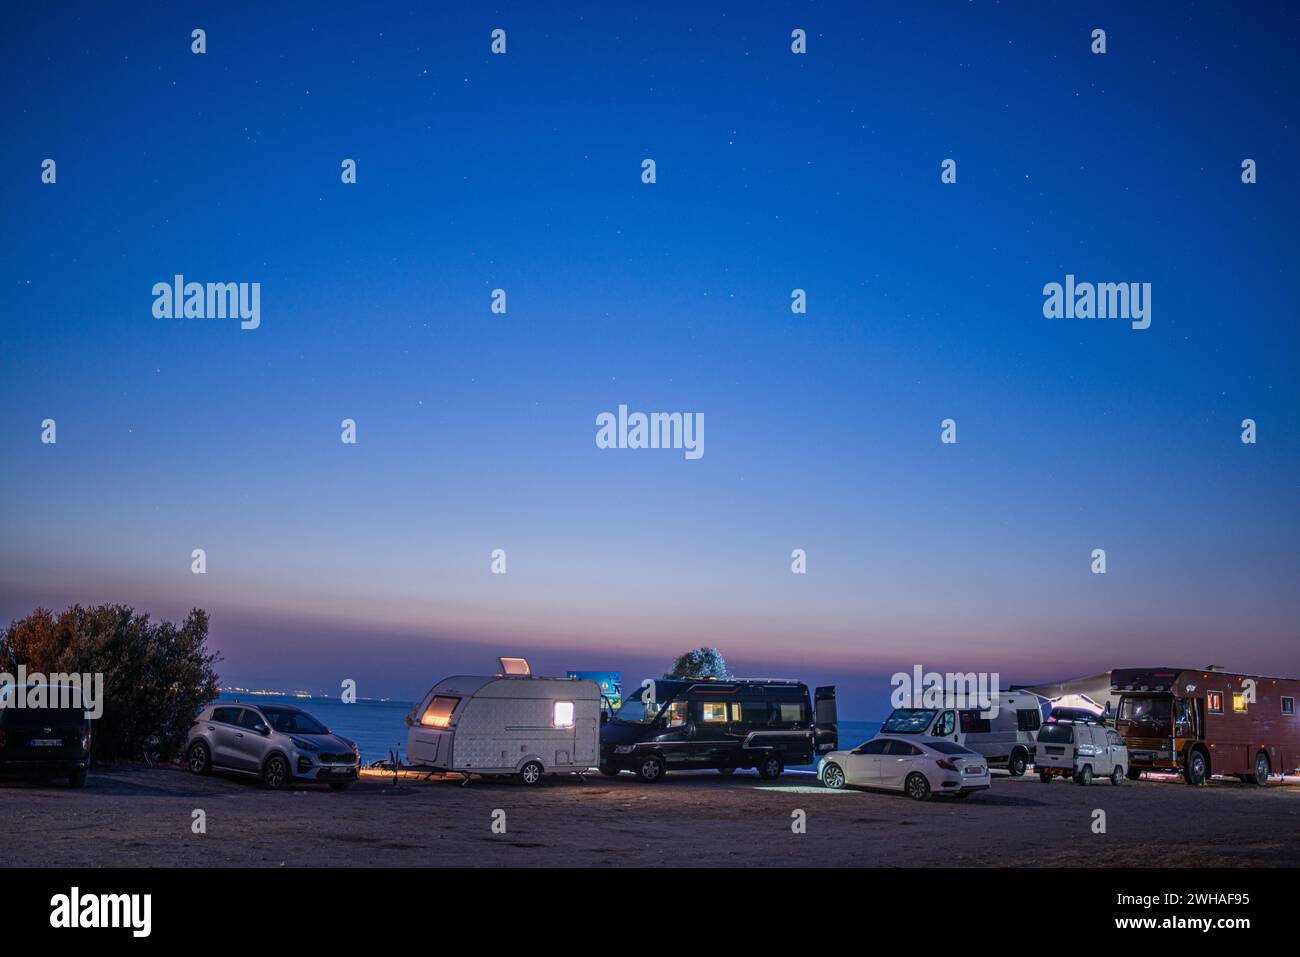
column 293, row 721
column 908, row 721
column 1145, row 710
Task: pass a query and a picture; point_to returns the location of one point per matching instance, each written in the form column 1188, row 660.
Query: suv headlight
column 304, row 745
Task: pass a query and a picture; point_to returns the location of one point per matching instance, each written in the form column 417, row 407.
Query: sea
column 379, row 726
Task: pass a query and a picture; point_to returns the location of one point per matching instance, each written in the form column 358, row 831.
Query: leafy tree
column 156, row 676
column 700, row 663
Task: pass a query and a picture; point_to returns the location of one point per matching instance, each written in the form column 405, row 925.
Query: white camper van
column 510, row 723
column 1006, row 740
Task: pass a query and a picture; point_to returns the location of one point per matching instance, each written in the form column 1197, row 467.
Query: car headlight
column 304, row 745
column 623, row 748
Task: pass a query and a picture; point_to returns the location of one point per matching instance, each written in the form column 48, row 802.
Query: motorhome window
column 1140, row 710
column 293, row 721
column 972, row 722
column 1029, row 719
column 713, row 712
column 563, row 717
column 1214, row 699
column 1055, row 733
column 1288, row 705
column 908, row 721
column 791, row 712
column 675, row 714
column 438, row 714
column 1238, row 702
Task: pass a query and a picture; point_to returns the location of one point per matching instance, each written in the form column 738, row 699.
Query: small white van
column 1080, row 750
column 1006, row 740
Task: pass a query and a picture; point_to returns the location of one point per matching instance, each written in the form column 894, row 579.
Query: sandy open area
column 139, row 816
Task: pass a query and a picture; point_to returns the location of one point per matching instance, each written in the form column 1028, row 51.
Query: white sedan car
column 918, row 767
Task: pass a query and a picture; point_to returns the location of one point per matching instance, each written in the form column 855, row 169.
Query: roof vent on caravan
column 515, row 667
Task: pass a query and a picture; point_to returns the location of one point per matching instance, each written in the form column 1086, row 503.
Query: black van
column 44, row 743
column 699, row 724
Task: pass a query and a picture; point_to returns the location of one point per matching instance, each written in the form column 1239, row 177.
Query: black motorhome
column 718, row 724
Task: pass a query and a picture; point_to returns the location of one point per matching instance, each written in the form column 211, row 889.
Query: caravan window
column 563, row 714
column 438, row 714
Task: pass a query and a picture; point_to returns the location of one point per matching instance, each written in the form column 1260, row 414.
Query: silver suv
column 278, row 743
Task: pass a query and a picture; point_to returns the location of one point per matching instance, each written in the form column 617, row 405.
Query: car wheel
column 916, row 786
column 275, row 773
column 77, row 779
column 1117, row 775
column 1261, row 769
column 531, row 773
column 651, row 768
column 833, row 776
column 609, row 772
column 770, row 767
column 1134, row 774
column 1018, row 764
column 340, row 785
column 726, row 772
column 1044, row 777
column 1083, row 775
column 200, row 760
column 1196, row 771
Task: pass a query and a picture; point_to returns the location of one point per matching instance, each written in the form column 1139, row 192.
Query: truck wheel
column 916, row 786
column 651, row 768
column 1018, row 763
column 1197, row 769
column 770, row 767
column 1134, row 774
column 1083, row 775
column 1044, row 777
column 531, row 773
column 1117, row 775
column 1261, row 769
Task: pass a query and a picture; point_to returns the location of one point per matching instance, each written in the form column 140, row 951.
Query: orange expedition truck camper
column 1200, row 722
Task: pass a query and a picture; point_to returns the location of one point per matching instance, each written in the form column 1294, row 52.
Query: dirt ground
column 143, row 816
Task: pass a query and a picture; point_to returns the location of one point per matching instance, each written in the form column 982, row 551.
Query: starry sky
column 775, row 171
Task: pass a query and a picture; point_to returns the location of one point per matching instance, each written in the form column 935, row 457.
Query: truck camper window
column 1214, row 699
column 1238, row 702
column 438, row 714
column 1288, row 705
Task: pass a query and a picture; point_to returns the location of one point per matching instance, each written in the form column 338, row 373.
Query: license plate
column 975, row 770
column 47, row 742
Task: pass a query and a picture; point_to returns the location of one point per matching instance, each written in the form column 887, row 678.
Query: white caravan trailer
column 511, row 723
column 1007, row 740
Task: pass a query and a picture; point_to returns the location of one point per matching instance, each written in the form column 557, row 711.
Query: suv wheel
column 770, row 767
column 651, row 768
column 275, row 773
column 200, row 761
column 531, row 773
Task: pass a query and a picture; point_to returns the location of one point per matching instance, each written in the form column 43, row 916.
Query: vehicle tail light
column 946, row 764
column 85, row 739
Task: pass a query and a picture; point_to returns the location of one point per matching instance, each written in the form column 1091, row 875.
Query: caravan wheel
column 531, row 773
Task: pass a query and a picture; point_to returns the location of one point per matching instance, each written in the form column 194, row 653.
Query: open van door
column 826, row 736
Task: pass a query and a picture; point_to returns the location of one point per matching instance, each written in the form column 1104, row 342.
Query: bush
column 156, row 676
column 700, row 663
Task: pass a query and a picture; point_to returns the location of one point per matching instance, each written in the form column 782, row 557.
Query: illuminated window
column 1215, row 701
column 736, row 714
column 791, row 713
column 1238, row 701
column 675, row 714
column 438, row 714
column 713, row 710
column 1288, row 705
column 563, row 714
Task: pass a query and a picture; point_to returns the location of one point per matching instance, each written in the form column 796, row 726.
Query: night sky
column 775, row 171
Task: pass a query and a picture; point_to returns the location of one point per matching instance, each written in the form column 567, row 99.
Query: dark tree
column 700, row 663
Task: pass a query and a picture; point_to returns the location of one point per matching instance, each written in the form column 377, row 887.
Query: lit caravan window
column 1238, row 701
column 438, row 714
column 563, row 714
column 1215, row 701
column 713, row 710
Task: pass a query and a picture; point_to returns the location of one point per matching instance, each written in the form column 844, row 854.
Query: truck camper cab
column 1006, row 740
column 1200, row 722
column 718, row 724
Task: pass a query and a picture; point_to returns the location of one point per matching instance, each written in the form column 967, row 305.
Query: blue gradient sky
column 775, row 171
